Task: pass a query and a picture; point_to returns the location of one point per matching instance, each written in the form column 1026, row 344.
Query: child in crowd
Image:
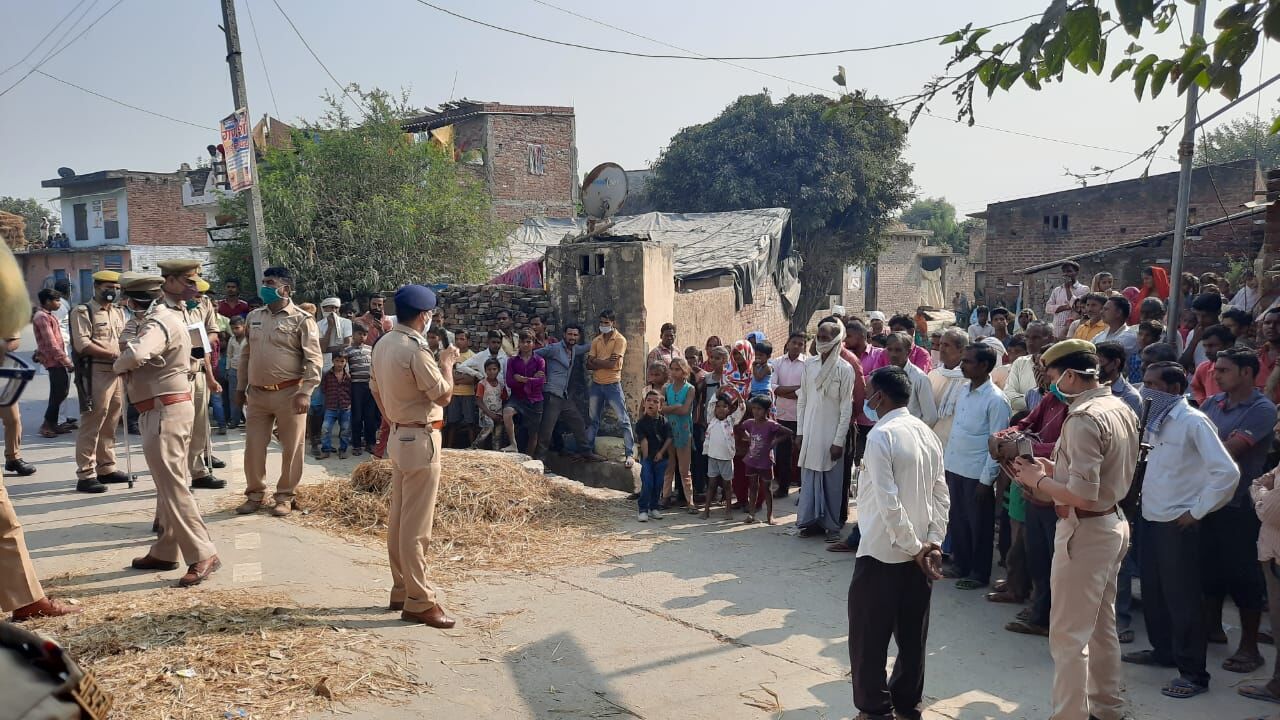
column 336, row 388
column 761, row 376
column 657, row 378
column 719, row 445
column 460, row 414
column 697, row 459
column 1149, row 332
column 764, row 435
column 677, row 407
column 655, row 449
column 235, row 344
column 365, row 417
column 491, row 396
column 526, row 374
column 434, row 334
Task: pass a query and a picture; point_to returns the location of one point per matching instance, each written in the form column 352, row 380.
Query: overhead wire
column 59, row 51
column 307, row 45
column 40, row 42
column 262, row 58
column 122, row 103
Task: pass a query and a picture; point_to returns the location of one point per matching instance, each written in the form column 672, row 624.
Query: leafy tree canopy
column 31, row 210
column 355, row 208
column 938, row 216
column 1240, row 139
column 839, row 170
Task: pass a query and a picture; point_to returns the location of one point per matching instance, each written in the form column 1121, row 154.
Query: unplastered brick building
column 525, row 154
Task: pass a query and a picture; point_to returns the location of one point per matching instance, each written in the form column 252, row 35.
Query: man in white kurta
column 823, row 411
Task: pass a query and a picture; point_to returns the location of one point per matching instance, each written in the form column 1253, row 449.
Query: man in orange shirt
column 605, row 363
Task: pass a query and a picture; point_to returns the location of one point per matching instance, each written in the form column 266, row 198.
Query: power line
column 262, row 58
column 57, row 52
column 52, row 30
column 70, row 28
column 307, row 45
column 125, row 104
column 1033, row 136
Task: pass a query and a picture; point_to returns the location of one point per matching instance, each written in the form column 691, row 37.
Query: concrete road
column 692, row 627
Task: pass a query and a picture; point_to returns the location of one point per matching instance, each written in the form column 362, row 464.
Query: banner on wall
column 237, row 143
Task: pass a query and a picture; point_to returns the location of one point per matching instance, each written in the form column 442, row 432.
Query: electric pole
column 240, row 98
column 1186, row 148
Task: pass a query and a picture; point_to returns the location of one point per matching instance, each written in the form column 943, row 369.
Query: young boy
column 336, row 387
column 491, row 396
column 761, row 375
column 365, row 417
column 764, row 435
column 655, row 449
column 460, row 414
column 235, row 415
column 719, row 446
column 526, row 374
column 1149, row 331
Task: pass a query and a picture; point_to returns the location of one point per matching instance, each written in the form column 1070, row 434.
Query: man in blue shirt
column 1246, row 422
column 1112, row 361
column 561, row 394
column 971, row 471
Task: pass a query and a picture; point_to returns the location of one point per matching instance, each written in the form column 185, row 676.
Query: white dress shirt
column 1188, row 468
column 977, row 332
column 786, row 372
column 902, row 495
column 341, row 335
column 1127, row 336
column 823, row 420
column 1022, row 378
column 1061, row 296
column 922, row 404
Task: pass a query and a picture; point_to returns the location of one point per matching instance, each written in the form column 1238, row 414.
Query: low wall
column 475, row 307
column 699, row 314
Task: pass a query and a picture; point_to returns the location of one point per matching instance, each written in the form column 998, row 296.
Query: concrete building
column 525, row 154
column 909, row 272
column 1030, row 231
column 116, row 220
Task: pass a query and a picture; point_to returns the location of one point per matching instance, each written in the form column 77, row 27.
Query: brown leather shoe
column 199, row 572
column 282, row 509
column 249, row 507
column 44, row 607
column 396, row 605
column 146, row 562
column 434, row 617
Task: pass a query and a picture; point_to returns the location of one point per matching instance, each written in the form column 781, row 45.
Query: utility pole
column 1186, row 148
column 239, row 96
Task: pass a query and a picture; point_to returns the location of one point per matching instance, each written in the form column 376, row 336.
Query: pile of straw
column 491, row 514
column 227, row 653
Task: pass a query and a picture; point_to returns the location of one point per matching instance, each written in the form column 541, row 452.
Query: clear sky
column 168, row 56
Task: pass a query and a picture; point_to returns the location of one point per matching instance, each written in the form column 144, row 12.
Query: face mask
column 193, row 304
column 428, row 327
column 107, row 296
column 1053, row 388
column 269, row 294
column 867, row 410
column 606, row 329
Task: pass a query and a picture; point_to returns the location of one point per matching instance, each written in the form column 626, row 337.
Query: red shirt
column 1046, row 422
column 859, row 386
column 229, row 309
column 376, row 327
column 336, row 390
column 53, row 353
column 1202, row 383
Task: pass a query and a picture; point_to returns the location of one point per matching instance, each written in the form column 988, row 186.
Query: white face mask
column 606, row 329
column 428, row 327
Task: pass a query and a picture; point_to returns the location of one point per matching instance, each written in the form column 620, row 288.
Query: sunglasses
column 15, row 373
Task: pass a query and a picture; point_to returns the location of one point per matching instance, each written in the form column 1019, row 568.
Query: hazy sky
column 168, row 56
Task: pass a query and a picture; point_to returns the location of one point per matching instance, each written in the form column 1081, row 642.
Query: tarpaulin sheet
column 750, row 244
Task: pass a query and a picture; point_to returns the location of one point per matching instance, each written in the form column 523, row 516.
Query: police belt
column 1064, row 512
column 278, row 386
column 434, row 425
column 170, row 399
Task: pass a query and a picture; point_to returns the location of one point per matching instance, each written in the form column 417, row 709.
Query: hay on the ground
column 491, row 514
column 225, row 653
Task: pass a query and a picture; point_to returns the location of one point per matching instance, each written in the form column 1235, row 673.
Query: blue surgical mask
column 269, row 294
column 1053, row 388
column 871, row 414
column 193, row 304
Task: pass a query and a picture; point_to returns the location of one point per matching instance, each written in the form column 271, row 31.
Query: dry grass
column 242, row 654
column 491, row 514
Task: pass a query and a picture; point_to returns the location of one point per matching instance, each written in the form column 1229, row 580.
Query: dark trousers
column 1171, row 598
column 1228, row 546
column 365, row 418
column 1042, row 525
column 888, row 600
column 698, row 461
column 1129, row 569
column 59, row 383
column 784, row 459
column 1019, row 576
column 972, row 523
column 558, row 409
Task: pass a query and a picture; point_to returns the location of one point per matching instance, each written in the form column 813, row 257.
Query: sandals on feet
column 1126, row 636
column 1242, row 663
column 1181, row 689
column 840, row 547
column 969, row 584
column 1258, row 692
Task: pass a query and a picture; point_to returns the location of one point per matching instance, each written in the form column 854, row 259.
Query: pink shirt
column 787, row 372
column 49, row 340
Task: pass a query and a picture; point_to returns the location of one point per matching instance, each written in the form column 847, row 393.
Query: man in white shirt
column 788, row 372
column 1022, row 373
column 897, row 348
column 1058, row 306
column 1189, row 475
column 902, row 511
column 983, row 328
column 948, row 379
column 1115, row 313
column 823, row 412
column 335, row 331
column 474, row 366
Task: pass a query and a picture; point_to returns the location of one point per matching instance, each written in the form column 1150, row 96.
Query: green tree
column 31, row 210
column 356, row 207
column 1244, row 138
column 938, row 216
column 840, row 172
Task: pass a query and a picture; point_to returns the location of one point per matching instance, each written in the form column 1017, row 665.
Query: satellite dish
column 66, row 172
column 604, row 190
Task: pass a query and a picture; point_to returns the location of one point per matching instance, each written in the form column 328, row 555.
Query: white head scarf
column 829, row 365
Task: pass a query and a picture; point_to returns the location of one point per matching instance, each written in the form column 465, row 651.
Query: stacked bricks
column 475, row 307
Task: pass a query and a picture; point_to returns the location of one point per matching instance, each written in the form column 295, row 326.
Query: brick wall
column 1098, row 217
column 699, row 314
column 156, row 215
column 475, row 307
column 517, row 193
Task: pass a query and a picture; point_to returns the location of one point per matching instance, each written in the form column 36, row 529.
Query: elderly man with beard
column 823, row 411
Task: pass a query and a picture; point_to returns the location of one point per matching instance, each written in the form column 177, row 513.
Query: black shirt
column 656, row 431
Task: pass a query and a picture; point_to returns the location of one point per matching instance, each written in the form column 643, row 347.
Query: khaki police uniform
column 12, row 422
column 280, row 360
column 1095, row 459
column 98, row 324
column 201, row 449
column 156, row 366
column 405, row 378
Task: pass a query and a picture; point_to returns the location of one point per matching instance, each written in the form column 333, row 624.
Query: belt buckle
column 271, row 388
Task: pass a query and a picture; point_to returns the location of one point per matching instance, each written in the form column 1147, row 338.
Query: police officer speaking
column 157, row 363
column 95, row 339
column 411, row 389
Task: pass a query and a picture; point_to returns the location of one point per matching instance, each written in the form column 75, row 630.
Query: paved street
column 691, row 628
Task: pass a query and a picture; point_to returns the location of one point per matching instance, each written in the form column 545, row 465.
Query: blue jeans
column 651, row 474
column 217, row 415
column 235, row 413
column 343, row 418
column 611, row 394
